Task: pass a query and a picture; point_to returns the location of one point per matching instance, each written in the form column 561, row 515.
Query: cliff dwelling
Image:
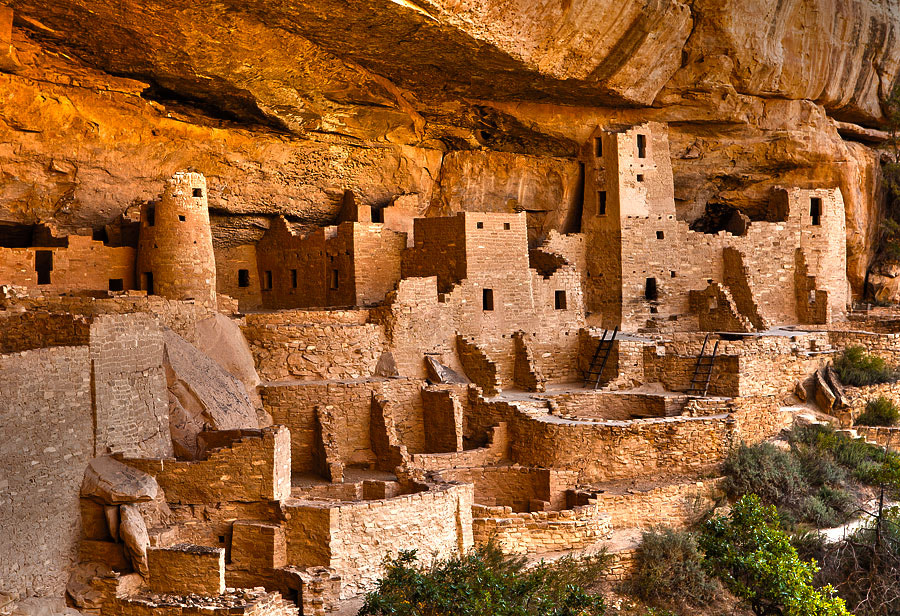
column 256, row 339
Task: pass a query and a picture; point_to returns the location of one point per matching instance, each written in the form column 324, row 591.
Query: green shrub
column 879, row 412
column 856, row 367
column 764, row 469
column 486, row 582
column 670, row 571
column 755, row 560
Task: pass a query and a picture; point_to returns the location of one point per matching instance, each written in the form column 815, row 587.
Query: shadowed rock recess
column 287, row 286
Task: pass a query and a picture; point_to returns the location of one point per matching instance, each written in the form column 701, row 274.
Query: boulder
column 203, row 394
column 825, row 397
column 439, row 373
column 133, row 532
column 110, row 482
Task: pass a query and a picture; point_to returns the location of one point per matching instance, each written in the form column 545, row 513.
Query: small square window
column 377, row 215
column 660, row 235
column 116, row 284
column 560, row 300
column 479, row 225
column 243, row 278
column 640, row 177
column 487, row 299
column 672, row 274
column 506, row 226
column 198, row 192
column 181, row 218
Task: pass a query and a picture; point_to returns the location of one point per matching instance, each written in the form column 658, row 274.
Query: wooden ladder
column 592, row 376
column 703, row 369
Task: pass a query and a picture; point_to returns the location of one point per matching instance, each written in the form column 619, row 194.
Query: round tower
column 175, row 251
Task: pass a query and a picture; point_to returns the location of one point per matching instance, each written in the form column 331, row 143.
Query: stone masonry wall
column 540, row 532
column 312, row 345
column 47, row 440
column 260, row 458
column 293, row 405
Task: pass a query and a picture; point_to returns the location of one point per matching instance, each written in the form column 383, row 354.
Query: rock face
column 450, row 104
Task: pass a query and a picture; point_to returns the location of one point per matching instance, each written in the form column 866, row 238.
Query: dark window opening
column 815, row 211
column 221, row 538
column 147, row 283
column 560, row 300
column 182, row 218
column 506, row 226
column 487, row 299
column 660, row 235
column 116, row 284
column 334, row 279
column 43, row 265
column 99, row 235
column 642, row 146
column 479, row 225
column 598, row 146
column 269, row 280
column 377, row 215
column 672, row 274
column 601, row 203
column 640, row 177
column 293, row 278
column 151, row 216
column 243, row 278
column 651, row 293
column 198, row 192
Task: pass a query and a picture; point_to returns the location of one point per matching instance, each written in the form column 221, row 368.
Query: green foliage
column 856, row 367
column 488, row 583
column 869, row 464
column 755, row 560
column 670, row 571
column 879, row 412
column 805, row 484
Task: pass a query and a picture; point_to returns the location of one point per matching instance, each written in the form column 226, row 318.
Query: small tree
column 755, row 560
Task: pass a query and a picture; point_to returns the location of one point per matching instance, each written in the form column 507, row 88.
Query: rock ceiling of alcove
column 345, row 64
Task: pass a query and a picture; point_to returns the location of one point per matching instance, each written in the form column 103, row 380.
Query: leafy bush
column 856, row 367
column 879, row 412
column 755, row 560
column 486, row 582
column 772, row 473
column 670, row 571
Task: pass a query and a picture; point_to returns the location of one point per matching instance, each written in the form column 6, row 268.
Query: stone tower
column 175, row 252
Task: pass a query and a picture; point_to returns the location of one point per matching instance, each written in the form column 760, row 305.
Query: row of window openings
column 815, row 208
column 244, row 279
column 641, row 146
column 487, row 300
column 480, row 225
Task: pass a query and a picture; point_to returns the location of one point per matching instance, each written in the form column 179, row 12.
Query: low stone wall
column 622, row 565
column 520, row 488
column 542, row 531
column 355, row 537
column 259, row 458
column 187, row 569
column 314, row 345
column 496, row 450
column 886, row 437
column 243, row 602
column 615, row 405
column 676, row 504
